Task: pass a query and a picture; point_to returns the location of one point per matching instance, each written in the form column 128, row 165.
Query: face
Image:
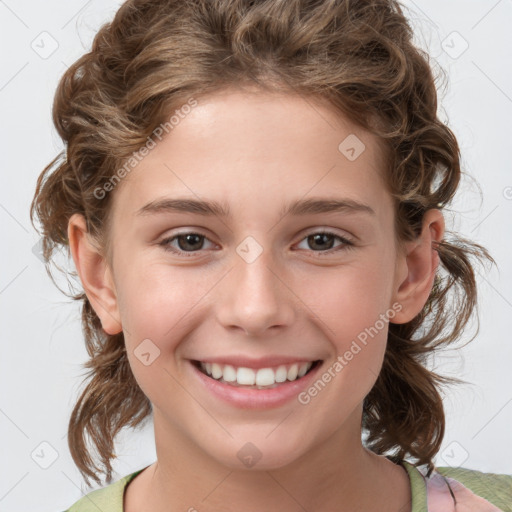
column 262, row 285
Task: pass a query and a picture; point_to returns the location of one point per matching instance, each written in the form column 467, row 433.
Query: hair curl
column 359, row 56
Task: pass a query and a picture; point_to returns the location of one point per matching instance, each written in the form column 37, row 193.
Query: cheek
column 350, row 305
column 156, row 301
column 347, row 299
column 158, row 305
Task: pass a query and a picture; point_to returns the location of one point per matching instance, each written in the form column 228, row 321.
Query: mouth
column 256, row 378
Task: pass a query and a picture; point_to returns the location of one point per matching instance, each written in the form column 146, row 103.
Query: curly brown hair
column 359, row 56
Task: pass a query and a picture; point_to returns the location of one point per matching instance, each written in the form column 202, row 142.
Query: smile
column 255, row 378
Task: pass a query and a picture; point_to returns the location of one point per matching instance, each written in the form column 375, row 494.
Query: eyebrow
column 298, row 207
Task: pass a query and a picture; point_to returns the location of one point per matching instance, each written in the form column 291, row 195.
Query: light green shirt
column 497, row 489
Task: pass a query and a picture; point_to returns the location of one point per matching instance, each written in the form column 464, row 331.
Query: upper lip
column 262, row 362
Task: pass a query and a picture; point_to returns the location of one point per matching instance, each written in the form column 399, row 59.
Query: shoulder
column 495, row 488
column 106, row 499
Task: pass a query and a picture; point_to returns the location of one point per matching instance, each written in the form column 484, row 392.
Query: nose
column 255, row 297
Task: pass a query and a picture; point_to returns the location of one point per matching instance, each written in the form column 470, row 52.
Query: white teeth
column 216, row 371
column 281, row 373
column 245, row 376
column 229, row 374
column 303, row 368
column 263, row 377
column 293, row 371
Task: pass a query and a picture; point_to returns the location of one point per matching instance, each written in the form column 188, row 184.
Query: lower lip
column 256, row 398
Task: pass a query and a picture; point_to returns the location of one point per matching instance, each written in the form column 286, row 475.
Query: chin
column 259, row 453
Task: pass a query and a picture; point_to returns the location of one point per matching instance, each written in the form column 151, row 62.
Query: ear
column 95, row 274
column 418, row 265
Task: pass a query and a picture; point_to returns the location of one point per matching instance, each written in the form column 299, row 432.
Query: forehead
column 239, row 145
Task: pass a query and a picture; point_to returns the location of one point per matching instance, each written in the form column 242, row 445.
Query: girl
column 252, row 194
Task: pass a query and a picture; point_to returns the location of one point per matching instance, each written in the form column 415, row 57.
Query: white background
column 41, row 340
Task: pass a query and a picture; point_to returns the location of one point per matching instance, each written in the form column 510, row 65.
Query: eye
column 187, row 243
column 320, row 242
column 324, row 240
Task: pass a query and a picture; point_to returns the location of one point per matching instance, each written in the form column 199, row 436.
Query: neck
column 337, row 474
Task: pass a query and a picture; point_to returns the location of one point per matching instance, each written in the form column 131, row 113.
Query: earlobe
column 421, row 262
column 95, row 274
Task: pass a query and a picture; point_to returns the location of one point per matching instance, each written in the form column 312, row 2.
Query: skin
column 256, row 152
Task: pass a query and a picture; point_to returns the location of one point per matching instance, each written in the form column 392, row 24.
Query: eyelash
column 347, row 244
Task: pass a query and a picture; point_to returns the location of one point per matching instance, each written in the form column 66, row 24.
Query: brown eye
column 322, row 242
column 186, row 243
column 190, row 242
